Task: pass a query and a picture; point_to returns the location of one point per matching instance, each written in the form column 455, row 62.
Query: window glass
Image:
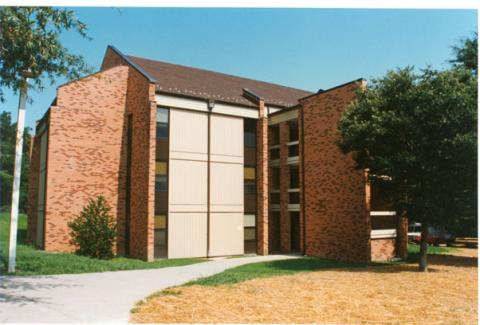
column 249, row 233
column 274, row 198
column 293, row 130
column 294, row 198
column 294, row 179
column 274, row 135
column 275, row 178
column 293, row 150
column 161, row 183
column 162, row 122
column 249, row 220
column 250, row 186
column 161, row 168
column 249, row 172
column 160, row 221
column 275, row 153
column 250, row 133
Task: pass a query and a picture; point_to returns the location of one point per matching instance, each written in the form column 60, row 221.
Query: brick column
column 262, row 180
column 285, row 242
column 301, row 187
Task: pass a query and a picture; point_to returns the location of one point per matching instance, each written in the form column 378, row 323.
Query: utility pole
column 12, row 247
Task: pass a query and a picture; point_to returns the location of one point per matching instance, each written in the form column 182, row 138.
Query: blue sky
column 302, row 48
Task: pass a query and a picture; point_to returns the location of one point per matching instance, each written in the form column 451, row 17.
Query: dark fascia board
column 252, row 96
column 132, row 64
column 202, row 98
column 333, row 88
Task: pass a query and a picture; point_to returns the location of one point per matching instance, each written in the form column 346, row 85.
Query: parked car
column 436, row 235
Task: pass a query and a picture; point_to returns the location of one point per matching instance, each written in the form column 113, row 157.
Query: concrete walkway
column 97, row 297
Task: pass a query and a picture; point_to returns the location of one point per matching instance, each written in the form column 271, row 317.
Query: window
column 162, row 123
column 274, row 153
column 160, row 236
column 161, row 183
column 293, row 150
column 294, row 198
column 161, row 176
column 249, row 173
column 274, row 198
column 294, row 179
column 293, row 130
column 250, row 185
column 250, row 133
column 274, row 135
column 275, row 178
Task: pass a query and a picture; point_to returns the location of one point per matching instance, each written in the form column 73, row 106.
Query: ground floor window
column 160, row 236
column 249, row 234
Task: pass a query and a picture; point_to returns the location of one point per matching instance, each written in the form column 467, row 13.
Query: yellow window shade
column 160, row 221
column 249, row 173
column 160, row 168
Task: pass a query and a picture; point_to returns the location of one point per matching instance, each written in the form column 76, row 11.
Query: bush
column 93, row 232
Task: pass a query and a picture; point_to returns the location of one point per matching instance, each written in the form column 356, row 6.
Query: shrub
column 93, row 232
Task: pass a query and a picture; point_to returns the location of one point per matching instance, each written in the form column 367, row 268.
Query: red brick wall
column 141, row 104
column 383, row 249
column 33, row 190
column 84, row 152
column 87, row 155
column 262, row 182
column 301, row 179
column 337, row 218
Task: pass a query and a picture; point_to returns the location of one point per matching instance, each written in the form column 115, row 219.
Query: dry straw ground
column 395, row 294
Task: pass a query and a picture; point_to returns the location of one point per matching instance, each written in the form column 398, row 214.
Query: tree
column 466, row 54
column 94, row 230
column 7, row 149
column 420, row 131
column 30, row 51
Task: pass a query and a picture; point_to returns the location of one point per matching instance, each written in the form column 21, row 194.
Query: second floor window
column 162, row 123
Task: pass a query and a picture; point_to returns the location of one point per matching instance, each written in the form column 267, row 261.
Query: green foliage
column 420, row 130
column 432, row 250
column 31, row 261
column 466, row 54
column 30, row 46
column 273, row 268
column 7, row 160
column 94, row 230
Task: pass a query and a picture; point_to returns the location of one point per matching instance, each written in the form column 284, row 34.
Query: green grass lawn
column 415, row 249
column 31, row 261
column 273, row 268
column 304, row 264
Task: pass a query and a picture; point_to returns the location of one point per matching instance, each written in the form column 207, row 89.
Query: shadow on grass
column 312, row 264
column 445, row 259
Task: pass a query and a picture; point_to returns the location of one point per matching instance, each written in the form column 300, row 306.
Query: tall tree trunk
column 423, row 266
column 12, row 247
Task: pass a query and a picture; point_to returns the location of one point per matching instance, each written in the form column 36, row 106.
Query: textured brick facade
column 262, row 181
column 337, row 222
column 82, row 165
column 33, row 189
column 87, row 156
column 383, row 249
column 141, row 104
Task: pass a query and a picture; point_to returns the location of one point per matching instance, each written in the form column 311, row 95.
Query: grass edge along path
column 32, row 261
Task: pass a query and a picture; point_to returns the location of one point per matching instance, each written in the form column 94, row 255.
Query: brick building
column 199, row 163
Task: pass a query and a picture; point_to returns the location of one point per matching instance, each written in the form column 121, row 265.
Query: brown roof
column 188, row 81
